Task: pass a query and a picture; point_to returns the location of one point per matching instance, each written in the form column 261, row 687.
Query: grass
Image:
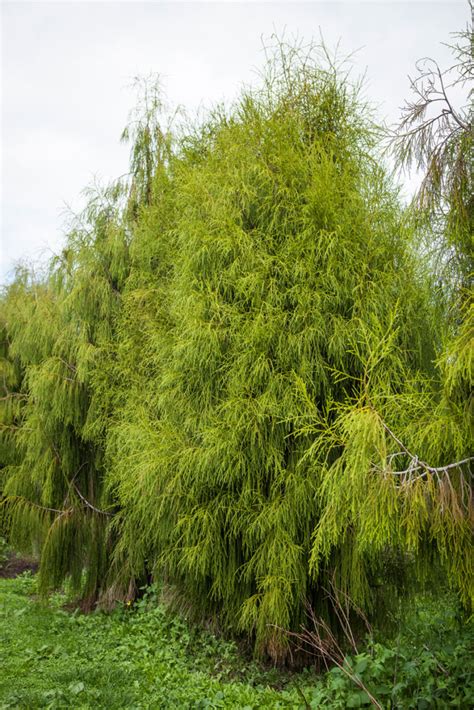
column 145, row 657
column 51, row 658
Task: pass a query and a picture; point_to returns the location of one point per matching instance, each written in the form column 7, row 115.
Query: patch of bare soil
column 17, row 565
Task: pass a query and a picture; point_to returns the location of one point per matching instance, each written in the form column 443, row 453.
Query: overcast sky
column 67, row 69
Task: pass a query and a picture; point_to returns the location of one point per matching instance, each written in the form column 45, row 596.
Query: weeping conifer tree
column 61, row 336
column 12, row 397
column 263, row 277
column 61, row 330
column 228, row 378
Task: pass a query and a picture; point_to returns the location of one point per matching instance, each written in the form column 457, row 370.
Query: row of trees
column 244, row 374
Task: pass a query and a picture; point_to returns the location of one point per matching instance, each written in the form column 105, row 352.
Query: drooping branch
column 14, row 395
column 88, row 504
column 416, row 462
column 423, row 470
column 11, row 498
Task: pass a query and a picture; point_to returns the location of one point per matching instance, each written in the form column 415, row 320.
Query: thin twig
column 89, row 505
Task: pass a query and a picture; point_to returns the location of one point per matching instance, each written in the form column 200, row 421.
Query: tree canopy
column 237, row 377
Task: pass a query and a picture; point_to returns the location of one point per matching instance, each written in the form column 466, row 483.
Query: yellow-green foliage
column 232, row 365
column 284, row 254
column 60, row 331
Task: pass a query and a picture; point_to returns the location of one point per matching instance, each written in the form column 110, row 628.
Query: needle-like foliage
column 230, row 373
column 262, row 273
column 60, row 328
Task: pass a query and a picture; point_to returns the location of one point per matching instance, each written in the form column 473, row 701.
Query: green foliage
column 237, row 377
column 60, row 329
column 427, row 664
column 4, row 551
column 132, row 658
column 264, row 283
column 12, row 398
column 143, row 656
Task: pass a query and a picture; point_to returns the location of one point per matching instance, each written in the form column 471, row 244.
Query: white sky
column 67, row 69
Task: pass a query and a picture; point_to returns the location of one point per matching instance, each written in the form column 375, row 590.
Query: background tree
column 436, row 138
column 60, row 329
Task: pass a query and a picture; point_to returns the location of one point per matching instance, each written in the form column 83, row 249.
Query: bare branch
column 321, row 642
column 89, row 505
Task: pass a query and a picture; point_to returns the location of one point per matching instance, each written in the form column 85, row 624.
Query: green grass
column 146, row 657
column 128, row 659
